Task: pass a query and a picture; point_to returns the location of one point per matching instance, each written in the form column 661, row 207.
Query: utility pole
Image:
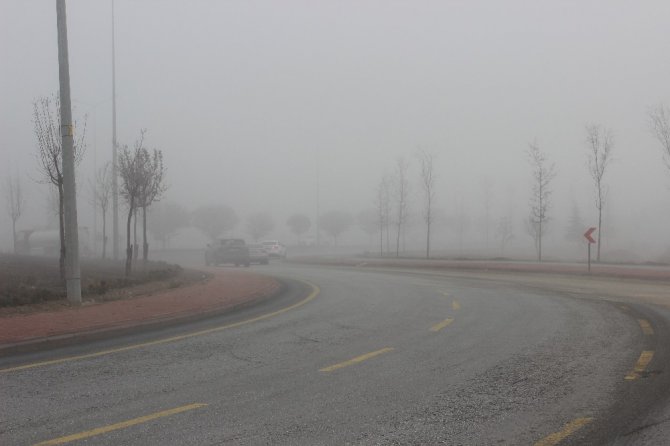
column 318, row 192
column 115, row 175
column 72, row 268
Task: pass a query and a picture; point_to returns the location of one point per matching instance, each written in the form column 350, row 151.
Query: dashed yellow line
column 356, row 360
column 567, row 430
column 642, row 363
column 646, row 327
column 121, row 425
column 311, row 296
column 440, row 325
column 455, row 305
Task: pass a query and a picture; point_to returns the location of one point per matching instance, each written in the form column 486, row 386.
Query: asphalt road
column 370, row 357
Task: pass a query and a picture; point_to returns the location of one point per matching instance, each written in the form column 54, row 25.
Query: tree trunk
column 61, row 223
column 539, row 243
column 145, row 244
column 135, row 245
column 381, row 241
column 104, row 234
column 428, row 240
column 129, row 247
column 14, row 233
column 600, row 231
column 397, row 243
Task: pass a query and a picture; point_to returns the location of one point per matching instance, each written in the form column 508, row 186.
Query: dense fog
column 283, row 107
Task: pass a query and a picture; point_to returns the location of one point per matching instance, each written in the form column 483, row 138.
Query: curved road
column 361, row 357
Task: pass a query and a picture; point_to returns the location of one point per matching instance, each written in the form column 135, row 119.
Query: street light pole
column 72, row 267
column 318, row 193
column 115, row 175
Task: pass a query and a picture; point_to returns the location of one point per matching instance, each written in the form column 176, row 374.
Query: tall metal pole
column 72, row 268
column 318, row 192
column 115, row 175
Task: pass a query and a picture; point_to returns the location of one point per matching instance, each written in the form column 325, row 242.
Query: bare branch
column 659, row 118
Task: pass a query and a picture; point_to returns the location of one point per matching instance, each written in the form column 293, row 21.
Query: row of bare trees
column 392, row 201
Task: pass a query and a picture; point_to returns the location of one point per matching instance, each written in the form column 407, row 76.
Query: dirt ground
column 29, row 284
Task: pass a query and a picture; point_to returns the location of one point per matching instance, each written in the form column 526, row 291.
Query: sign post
column 589, row 240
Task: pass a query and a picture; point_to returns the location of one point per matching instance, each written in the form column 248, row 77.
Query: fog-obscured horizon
column 249, row 99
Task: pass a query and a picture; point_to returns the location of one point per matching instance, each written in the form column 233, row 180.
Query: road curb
column 607, row 270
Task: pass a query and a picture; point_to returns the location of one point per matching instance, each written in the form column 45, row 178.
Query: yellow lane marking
column 646, row 327
column 567, row 430
column 455, row 305
column 445, row 294
column 312, row 295
column 356, row 360
column 642, row 363
column 121, row 425
column 439, row 326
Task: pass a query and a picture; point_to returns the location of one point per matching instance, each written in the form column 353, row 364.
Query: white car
column 274, row 248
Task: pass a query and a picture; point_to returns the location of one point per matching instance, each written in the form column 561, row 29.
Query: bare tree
column 47, row 127
column 259, row 225
column 166, row 220
column 299, row 224
column 600, row 142
column 660, row 126
column 101, row 188
column 542, row 174
column 576, row 226
column 15, row 203
column 131, row 172
column 504, row 233
column 334, row 223
column 214, row 220
column 488, row 196
column 462, row 221
column 401, row 196
column 383, row 210
column 428, row 177
column 367, row 221
column 152, row 187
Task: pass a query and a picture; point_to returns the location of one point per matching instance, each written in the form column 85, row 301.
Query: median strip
column 121, row 425
column 642, row 363
column 568, row 429
column 439, row 326
column 356, row 360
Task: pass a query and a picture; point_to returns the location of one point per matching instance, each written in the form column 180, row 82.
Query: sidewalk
column 225, row 290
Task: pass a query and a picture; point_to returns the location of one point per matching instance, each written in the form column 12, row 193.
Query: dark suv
column 228, row 250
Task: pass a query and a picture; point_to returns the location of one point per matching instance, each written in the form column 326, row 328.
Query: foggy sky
column 245, row 97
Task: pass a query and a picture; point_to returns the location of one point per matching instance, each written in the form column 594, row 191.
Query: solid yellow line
column 312, row 295
column 356, row 360
column 646, row 327
column 455, row 305
column 121, row 425
column 642, row 363
column 441, row 325
column 568, row 430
